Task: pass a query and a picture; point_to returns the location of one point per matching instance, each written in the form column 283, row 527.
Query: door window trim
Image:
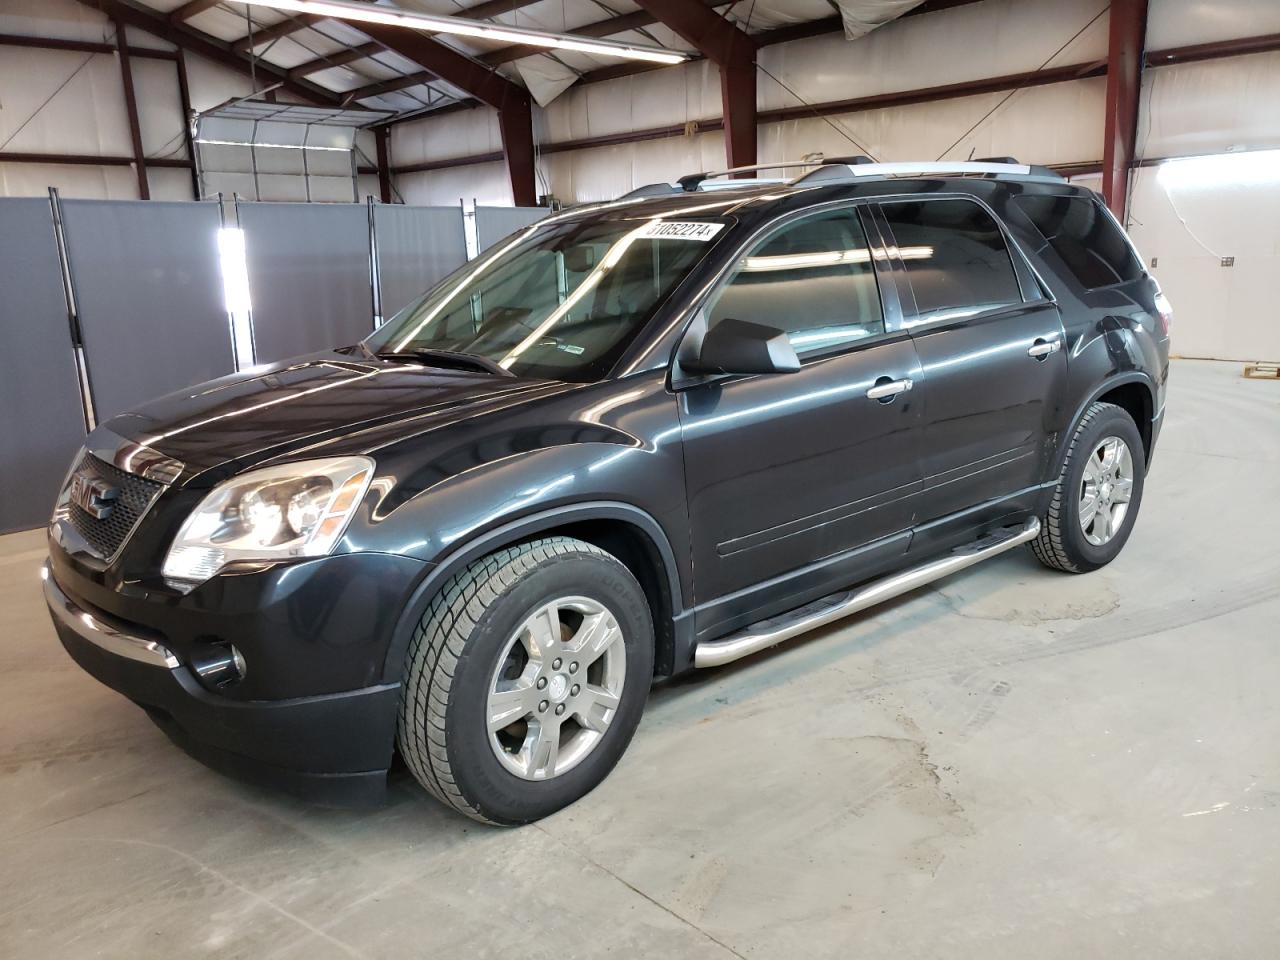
column 1031, row 287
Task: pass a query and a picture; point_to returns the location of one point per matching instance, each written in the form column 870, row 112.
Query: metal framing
column 734, row 52
column 1126, row 34
column 131, row 108
column 702, row 22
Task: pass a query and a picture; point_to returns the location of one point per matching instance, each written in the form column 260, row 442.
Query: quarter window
column 955, row 257
column 1084, row 237
column 812, row 279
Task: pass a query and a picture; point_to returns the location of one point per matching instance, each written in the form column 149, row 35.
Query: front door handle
column 1042, row 348
column 886, row 389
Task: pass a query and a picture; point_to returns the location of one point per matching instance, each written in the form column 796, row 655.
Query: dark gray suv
column 634, row 439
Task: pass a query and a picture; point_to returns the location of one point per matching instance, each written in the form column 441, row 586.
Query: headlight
column 293, row 510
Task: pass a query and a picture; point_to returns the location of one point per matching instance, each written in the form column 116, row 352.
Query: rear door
column 990, row 345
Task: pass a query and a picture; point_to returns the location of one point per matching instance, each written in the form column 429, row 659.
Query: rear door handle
column 886, row 389
column 1042, row 348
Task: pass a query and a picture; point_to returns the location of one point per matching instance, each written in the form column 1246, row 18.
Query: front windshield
column 559, row 301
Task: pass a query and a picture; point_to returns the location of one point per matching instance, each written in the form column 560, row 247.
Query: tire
column 1064, row 542
column 470, row 644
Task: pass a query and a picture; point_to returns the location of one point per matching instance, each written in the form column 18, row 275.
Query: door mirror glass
column 739, row 346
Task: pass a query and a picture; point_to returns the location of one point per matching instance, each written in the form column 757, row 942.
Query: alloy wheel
column 1105, row 490
column 556, row 688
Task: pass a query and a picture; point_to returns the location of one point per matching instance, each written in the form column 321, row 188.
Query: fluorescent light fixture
column 393, row 16
column 235, row 290
column 1221, row 170
column 235, row 270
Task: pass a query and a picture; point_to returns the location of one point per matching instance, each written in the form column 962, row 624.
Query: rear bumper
column 332, row 748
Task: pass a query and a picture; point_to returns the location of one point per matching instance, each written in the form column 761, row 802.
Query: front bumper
column 335, row 747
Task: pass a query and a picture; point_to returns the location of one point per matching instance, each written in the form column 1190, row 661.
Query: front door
column 990, row 346
column 796, row 482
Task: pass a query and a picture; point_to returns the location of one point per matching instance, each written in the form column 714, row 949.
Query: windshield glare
column 559, row 302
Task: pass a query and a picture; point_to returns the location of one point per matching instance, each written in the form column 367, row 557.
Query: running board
column 819, row 613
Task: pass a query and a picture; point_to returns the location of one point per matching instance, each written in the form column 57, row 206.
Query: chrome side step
column 819, row 613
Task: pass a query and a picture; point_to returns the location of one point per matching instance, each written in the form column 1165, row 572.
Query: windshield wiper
column 448, row 358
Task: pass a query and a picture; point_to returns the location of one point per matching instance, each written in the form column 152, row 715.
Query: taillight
column 1164, row 310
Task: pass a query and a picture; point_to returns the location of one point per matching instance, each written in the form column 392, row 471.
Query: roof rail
column 859, row 170
column 691, row 181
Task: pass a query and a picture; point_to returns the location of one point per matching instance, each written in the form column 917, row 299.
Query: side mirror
column 739, row 346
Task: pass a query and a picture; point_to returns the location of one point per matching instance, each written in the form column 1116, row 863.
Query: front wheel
column 1099, row 491
column 526, row 679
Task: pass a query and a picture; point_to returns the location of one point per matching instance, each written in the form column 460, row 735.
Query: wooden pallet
column 1262, row 371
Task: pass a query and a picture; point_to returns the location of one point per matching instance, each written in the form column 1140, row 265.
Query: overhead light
column 377, row 13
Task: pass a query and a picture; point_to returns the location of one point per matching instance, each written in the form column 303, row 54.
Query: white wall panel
column 60, row 19
column 81, row 182
column 1177, row 23
column 86, row 116
column 1207, row 107
column 155, row 85
column 605, row 172
column 486, row 183
column 1187, row 221
column 212, row 84
column 1057, row 123
column 166, row 183
column 460, row 134
column 979, row 40
column 657, row 99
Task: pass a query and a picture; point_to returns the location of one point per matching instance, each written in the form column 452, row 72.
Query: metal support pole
column 87, row 409
column 1126, row 38
column 515, row 121
column 131, row 106
column 188, row 120
column 382, row 140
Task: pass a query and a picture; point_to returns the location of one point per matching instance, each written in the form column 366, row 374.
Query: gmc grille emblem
column 95, row 497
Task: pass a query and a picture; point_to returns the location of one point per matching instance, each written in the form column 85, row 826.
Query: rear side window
column 1085, row 238
column 813, row 279
column 955, row 257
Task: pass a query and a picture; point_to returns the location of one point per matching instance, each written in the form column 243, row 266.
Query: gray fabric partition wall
column 416, row 246
column 149, row 297
column 494, row 223
column 43, row 420
column 308, row 276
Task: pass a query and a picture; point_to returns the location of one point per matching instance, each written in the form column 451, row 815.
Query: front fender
column 527, row 527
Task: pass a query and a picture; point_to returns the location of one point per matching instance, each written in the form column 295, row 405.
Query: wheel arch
column 628, row 533
column 1133, row 392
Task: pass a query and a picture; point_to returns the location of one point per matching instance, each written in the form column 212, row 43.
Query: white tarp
column 862, row 16
column 545, row 78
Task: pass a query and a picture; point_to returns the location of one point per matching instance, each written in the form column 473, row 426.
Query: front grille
column 105, row 537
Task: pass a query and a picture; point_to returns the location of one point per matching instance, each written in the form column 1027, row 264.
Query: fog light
column 219, row 665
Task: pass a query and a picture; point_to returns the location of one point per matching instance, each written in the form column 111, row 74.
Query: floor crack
column 636, row 890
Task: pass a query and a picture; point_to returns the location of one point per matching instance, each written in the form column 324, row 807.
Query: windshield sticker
column 681, row 230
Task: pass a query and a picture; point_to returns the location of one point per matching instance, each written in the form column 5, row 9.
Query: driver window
column 812, row 279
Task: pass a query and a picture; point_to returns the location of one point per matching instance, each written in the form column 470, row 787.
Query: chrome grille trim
column 139, row 474
column 132, row 457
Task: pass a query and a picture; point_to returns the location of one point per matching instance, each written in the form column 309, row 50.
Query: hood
column 269, row 411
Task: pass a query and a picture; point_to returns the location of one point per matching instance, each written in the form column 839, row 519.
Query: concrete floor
column 1015, row 763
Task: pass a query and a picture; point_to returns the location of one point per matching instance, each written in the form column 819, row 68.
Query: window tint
column 813, row 279
column 1087, row 240
column 955, row 256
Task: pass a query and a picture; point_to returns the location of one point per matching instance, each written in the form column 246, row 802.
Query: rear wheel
column 526, row 679
column 1099, row 491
